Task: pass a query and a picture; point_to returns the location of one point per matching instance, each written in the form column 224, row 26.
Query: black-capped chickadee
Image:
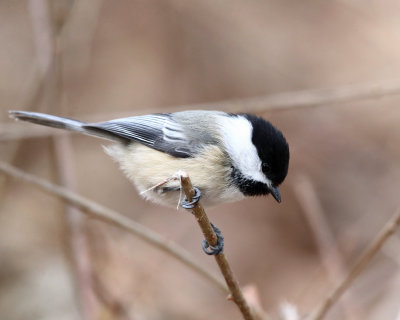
column 227, row 156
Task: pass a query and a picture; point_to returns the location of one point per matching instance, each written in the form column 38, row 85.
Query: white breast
column 146, row 168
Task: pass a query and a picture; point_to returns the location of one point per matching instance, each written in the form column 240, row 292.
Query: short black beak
column 276, row 194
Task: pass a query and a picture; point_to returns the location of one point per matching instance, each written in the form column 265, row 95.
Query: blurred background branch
column 327, row 246
column 388, row 230
column 114, row 218
column 262, row 104
column 48, row 25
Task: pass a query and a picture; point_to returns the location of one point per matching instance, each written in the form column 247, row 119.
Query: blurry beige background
column 98, row 59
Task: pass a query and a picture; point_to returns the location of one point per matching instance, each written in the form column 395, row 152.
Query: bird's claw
column 195, row 200
column 219, row 247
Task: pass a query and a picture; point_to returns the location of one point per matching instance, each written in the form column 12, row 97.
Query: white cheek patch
column 237, row 133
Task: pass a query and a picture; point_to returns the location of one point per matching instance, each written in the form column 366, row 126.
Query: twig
column 210, row 236
column 47, row 37
column 271, row 102
column 376, row 244
column 42, row 33
column 324, row 239
column 313, row 97
column 114, row 218
column 117, row 308
column 36, row 80
column 77, row 236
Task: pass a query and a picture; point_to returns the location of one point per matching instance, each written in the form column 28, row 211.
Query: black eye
column 266, row 168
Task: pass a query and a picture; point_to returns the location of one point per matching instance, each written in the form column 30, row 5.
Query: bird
column 227, row 156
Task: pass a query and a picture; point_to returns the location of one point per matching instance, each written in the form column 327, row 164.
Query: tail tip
column 15, row 114
column 12, row 114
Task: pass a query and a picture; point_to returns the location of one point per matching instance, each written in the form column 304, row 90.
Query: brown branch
column 77, row 237
column 270, row 102
column 317, row 97
column 118, row 309
column 210, row 236
column 324, row 239
column 47, row 37
column 376, row 244
column 35, row 79
column 114, row 218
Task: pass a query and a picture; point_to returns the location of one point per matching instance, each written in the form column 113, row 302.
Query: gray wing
column 157, row 131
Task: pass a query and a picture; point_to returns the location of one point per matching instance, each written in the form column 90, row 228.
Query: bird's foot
column 195, row 200
column 219, row 247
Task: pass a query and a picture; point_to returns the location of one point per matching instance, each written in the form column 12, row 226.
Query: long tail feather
column 63, row 123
